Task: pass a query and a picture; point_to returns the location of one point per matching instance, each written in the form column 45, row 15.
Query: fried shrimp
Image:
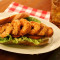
column 2, row 28
column 16, row 26
column 49, row 32
column 21, row 15
column 43, row 29
column 6, row 30
column 35, row 27
column 25, row 27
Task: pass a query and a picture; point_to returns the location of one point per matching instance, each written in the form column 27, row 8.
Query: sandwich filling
column 16, row 31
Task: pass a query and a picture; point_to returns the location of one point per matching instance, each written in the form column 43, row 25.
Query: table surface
column 38, row 4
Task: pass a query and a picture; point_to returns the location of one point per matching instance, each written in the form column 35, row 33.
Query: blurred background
column 44, row 5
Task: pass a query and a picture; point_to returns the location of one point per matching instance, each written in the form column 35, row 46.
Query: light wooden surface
column 38, row 4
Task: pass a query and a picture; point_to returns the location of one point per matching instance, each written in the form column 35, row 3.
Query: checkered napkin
column 18, row 8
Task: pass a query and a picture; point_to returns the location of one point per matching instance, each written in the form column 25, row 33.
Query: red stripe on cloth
column 44, row 12
column 32, row 13
column 25, row 7
column 12, row 9
column 15, row 4
column 42, row 17
column 35, row 10
column 18, row 8
column 21, row 11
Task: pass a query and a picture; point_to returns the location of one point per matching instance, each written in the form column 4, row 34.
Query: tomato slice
column 34, row 36
column 15, row 36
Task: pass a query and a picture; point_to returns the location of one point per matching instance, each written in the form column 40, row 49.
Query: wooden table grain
column 38, row 4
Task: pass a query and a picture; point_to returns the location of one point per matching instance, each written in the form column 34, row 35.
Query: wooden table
column 38, row 4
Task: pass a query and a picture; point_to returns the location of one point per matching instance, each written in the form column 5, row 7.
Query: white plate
column 34, row 50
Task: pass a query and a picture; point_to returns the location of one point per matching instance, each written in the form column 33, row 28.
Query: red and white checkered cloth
column 18, row 8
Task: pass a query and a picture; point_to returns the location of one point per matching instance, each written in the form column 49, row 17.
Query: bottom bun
column 31, row 44
column 44, row 42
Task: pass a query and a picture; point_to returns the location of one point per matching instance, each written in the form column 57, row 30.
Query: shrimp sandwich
column 25, row 30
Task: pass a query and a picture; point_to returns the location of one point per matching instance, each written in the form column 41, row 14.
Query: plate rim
column 38, row 52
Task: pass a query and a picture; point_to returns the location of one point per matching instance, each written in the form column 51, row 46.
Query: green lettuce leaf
column 18, row 40
column 6, row 39
column 33, row 19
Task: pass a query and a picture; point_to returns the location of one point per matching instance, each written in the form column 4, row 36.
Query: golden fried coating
column 43, row 30
column 16, row 26
column 21, row 15
column 49, row 32
column 25, row 27
column 2, row 29
column 22, row 27
column 5, row 30
column 35, row 27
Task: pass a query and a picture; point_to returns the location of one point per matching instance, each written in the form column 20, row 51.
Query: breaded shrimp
column 2, row 28
column 43, row 30
column 35, row 27
column 21, row 15
column 16, row 26
column 25, row 27
column 49, row 32
column 6, row 31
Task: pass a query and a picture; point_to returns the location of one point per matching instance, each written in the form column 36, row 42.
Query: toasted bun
column 29, row 43
column 21, row 15
column 6, row 20
column 9, row 18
